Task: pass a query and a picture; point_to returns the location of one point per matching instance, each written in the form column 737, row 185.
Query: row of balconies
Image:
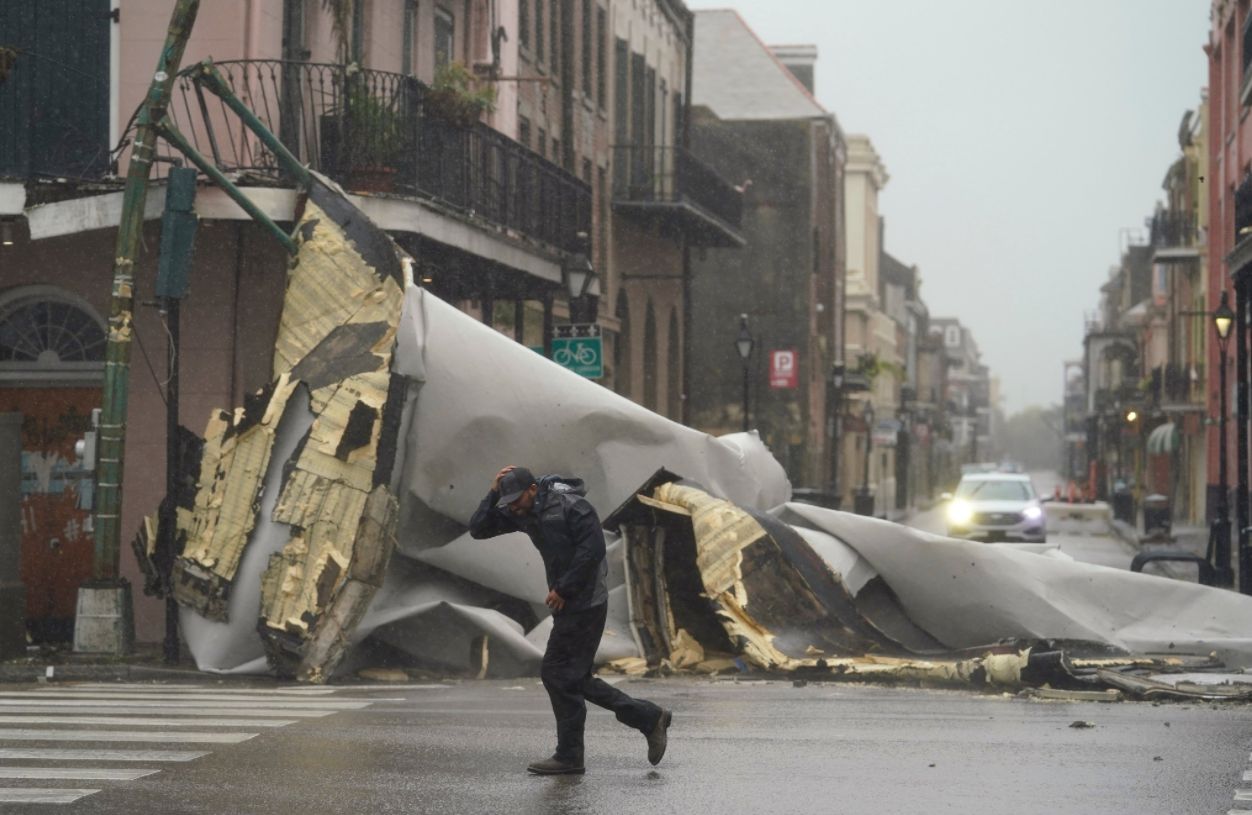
column 381, row 132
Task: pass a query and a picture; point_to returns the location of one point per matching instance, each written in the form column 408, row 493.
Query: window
column 602, row 241
column 602, row 47
column 409, row 34
column 294, row 34
column 539, row 30
column 541, row 144
column 662, row 108
column 554, row 44
column 445, row 38
column 587, row 170
column 358, row 32
column 679, row 119
column 586, row 49
column 523, row 23
column 621, row 94
column 556, row 151
column 46, row 330
column 523, row 131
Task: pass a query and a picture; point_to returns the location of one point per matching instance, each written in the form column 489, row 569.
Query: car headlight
column 1032, row 513
column 960, row 512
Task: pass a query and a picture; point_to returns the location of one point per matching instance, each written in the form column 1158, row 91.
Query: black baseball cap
column 515, row 482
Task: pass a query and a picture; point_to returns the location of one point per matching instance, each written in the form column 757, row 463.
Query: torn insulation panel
column 332, row 520
column 700, row 569
column 236, row 455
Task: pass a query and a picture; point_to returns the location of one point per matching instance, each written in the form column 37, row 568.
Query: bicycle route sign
column 579, row 347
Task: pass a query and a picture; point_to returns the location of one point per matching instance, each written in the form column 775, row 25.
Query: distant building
column 755, row 121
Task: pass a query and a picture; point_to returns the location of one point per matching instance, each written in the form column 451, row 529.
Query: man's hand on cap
column 495, row 485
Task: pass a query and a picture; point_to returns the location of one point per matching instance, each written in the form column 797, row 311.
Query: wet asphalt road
column 735, row 748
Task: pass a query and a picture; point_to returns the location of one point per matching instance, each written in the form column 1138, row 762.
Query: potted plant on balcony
column 457, row 97
column 364, row 139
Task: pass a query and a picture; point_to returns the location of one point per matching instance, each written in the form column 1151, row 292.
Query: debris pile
column 327, row 531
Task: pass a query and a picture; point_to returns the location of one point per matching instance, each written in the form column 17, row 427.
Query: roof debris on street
column 328, row 529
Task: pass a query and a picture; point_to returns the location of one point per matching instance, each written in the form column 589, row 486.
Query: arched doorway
column 52, row 347
column 621, row 346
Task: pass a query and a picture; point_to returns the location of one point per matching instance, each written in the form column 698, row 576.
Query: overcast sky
column 1021, row 139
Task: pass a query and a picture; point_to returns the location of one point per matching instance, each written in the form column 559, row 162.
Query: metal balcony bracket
column 208, row 77
column 170, row 133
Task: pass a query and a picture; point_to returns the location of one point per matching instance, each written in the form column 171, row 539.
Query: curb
column 120, row 672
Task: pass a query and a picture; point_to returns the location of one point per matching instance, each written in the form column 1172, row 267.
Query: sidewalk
column 1191, row 539
column 63, row 665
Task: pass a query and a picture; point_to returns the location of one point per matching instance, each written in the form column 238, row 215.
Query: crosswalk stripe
column 74, row 773
column 72, row 698
column 179, row 736
column 42, row 795
column 58, row 754
column 126, row 688
column 142, row 721
column 1243, row 795
column 153, row 708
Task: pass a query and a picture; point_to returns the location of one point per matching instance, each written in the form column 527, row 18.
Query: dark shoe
column 658, row 737
column 555, row 766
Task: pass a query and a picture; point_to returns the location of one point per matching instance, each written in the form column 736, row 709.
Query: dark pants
column 567, row 676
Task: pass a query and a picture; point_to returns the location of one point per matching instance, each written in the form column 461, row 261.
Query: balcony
column 1175, row 386
column 1121, row 396
column 667, row 186
column 383, row 133
column 1174, row 237
column 1243, row 209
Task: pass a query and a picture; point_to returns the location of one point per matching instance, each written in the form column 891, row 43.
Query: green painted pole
column 171, row 135
column 213, row 81
column 117, row 355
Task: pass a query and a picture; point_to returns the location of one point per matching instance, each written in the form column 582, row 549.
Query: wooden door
column 57, row 546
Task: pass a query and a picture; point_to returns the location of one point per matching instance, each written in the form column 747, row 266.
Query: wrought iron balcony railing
column 1173, row 384
column 671, row 179
column 374, row 131
column 1173, row 230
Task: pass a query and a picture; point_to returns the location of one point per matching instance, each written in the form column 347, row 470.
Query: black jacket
column 565, row 529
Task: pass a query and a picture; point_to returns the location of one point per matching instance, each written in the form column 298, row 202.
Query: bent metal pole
column 117, row 355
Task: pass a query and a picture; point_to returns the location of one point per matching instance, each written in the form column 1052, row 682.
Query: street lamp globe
column 1223, row 319
column 743, row 343
column 869, row 416
column 578, row 274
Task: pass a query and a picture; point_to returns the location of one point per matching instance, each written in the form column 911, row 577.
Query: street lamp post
column 837, row 372
column 743, row 344
column 864, row 501
column 1219, row 533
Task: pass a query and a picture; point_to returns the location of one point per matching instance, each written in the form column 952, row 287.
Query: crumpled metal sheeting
column 700, row 567
column 456, row 401
column 487, row 400
column 967, row 594
column 1140, row 683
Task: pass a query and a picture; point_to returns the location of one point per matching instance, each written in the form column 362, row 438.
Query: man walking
column 565, row 529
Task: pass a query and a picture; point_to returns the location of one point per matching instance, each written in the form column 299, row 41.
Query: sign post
column 580, row 348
